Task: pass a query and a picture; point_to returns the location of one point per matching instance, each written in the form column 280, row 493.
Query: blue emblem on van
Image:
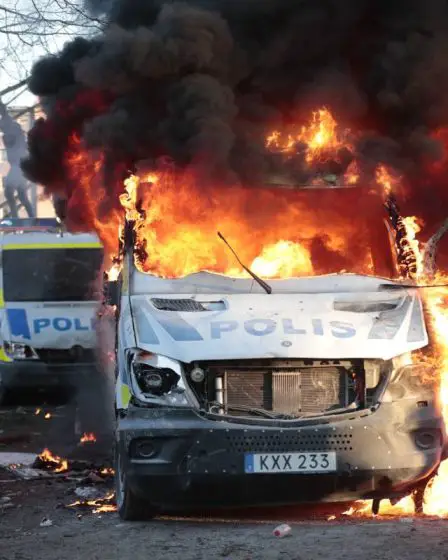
column 18, row 323
column 19, row 326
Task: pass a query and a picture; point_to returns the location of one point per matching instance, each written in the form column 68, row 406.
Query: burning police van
column 238, row 391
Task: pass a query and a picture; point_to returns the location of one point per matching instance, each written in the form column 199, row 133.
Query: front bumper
column 200, row 462
column 36, row 374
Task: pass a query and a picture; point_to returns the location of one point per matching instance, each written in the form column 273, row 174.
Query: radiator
column 288, row 391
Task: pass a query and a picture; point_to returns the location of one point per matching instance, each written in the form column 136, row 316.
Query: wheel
column 129, row 506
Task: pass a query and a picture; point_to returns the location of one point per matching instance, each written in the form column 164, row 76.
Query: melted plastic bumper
column 177, row 458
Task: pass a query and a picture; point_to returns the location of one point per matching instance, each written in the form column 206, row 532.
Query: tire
column 129, row 506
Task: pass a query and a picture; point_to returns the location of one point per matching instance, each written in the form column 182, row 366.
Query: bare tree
column 14, row 183
column 32, row 28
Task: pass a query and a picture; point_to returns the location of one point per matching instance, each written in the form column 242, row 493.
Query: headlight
column 158, row 380
column 19, row 351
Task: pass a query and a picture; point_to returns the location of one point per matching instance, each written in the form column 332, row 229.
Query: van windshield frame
column 51, row 274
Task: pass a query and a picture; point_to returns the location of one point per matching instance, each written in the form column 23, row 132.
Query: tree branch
column 13, row 88
column 34, row 28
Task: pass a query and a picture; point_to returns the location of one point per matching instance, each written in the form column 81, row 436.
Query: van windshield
column 66, row 274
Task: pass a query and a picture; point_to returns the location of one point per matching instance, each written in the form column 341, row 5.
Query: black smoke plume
column 204, row 81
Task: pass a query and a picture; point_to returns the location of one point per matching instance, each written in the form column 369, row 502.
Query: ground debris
column 28, row 466
column 27, row 473
column 8, row 459
column 21, row 465
column 232, row 549
column 87, row 492
column 282, row 530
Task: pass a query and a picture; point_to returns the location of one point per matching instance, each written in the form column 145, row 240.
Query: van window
column 64, row 274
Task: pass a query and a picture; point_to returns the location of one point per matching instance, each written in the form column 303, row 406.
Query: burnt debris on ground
column 91, row 483
column 33, row 453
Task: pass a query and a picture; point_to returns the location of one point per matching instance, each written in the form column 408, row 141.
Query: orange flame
column 100, row 505
column 179, row 225
column 435, row 503
column 85, row 170
column 437, row 303
column 282, row 259
column 88, row 437
column 105, row 508
column 387, row 179
column 60, row 465
column 320, row 136
column 322, row 139
column 391, row 184
column 113, row 272
column 413, row 225
column 276, row 229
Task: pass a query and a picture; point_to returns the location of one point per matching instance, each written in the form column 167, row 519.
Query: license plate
column 289, row 462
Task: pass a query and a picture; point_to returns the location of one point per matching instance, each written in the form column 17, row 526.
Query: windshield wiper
column 257, row 279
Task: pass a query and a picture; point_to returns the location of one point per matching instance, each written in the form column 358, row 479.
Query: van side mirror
column 111, row 292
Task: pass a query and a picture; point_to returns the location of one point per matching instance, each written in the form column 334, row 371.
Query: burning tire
column 129, row 506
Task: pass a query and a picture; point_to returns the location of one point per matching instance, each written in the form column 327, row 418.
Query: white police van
column 49, row 293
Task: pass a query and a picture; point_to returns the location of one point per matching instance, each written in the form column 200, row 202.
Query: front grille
column 316, row 389
column 52, row 356
column 294, row 391
column 251, row 389
column 256, row 442
column 293, row 388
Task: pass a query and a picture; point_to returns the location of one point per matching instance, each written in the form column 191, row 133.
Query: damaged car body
column 230, row 396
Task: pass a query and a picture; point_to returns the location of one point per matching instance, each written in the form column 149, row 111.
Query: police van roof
column 46, row 240
column 42, row 233
column 15, row 225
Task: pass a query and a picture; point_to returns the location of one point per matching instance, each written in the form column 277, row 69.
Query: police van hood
column 50, row 325
column 334, row 317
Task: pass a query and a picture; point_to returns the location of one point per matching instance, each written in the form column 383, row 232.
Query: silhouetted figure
column 14, row 142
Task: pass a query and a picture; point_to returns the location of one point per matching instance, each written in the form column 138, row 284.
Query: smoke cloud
column 204, row 81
